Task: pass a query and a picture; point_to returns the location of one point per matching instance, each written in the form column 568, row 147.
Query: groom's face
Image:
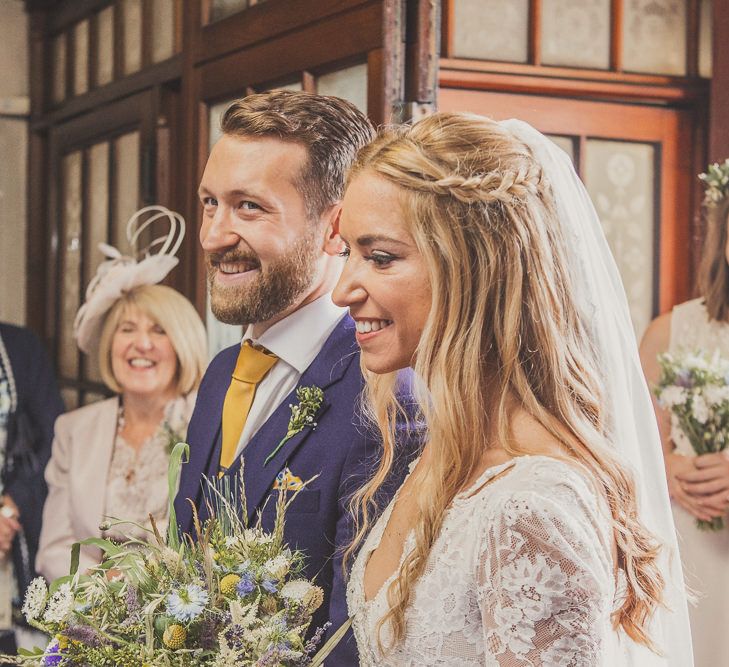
column 262, row 249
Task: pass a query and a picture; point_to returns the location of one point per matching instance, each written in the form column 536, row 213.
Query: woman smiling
column 110, row 458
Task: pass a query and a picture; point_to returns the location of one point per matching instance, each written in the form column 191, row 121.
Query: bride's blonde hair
column 502, row 325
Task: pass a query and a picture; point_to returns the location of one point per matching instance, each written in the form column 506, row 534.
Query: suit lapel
column 205, row 454
column 325, row 371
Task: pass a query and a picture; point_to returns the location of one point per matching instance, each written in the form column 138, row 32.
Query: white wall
column 14, row 105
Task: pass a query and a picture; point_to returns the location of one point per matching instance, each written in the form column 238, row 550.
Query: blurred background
column 108, row 105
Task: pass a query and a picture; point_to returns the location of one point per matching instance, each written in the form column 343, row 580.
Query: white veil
column 635, row 433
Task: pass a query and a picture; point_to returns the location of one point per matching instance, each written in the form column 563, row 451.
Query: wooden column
column 719, row 104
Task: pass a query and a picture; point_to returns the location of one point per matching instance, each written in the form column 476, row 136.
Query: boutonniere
column 302, row 415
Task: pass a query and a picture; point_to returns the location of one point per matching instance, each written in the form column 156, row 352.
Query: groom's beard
column 275, row 289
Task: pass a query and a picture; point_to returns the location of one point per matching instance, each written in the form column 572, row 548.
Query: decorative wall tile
column 491, row 29
column 621, row 179
column 654, row 36
column 576, row 33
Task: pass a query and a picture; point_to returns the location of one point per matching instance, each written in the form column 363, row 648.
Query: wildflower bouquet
column 232, row 597
column 695, row 390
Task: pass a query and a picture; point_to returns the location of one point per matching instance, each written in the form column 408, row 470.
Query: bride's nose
column 349, row 290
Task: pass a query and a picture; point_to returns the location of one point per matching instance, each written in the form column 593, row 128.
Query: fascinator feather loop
column 120, row 274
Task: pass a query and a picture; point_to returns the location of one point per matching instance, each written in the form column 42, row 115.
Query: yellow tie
column 250, row 369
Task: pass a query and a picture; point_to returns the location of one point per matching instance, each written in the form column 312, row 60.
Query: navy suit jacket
column 340, row 450
column 30, row 434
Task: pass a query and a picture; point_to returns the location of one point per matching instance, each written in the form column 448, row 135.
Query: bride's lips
column 369, row 328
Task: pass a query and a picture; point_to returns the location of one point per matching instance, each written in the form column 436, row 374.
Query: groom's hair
column 332, row 131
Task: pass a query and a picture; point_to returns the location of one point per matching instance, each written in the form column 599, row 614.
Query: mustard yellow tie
column 252, row 366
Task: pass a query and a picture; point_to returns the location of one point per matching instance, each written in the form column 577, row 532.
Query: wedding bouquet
column 695, row 390
column 232, row 597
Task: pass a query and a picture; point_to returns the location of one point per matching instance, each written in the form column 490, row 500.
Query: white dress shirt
column 295, row 340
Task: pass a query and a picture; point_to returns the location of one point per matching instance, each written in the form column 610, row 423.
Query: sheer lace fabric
column 137, row 484
column 521, row 574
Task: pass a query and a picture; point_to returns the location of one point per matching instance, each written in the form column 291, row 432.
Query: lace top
column 520, row 574
column 137, row 484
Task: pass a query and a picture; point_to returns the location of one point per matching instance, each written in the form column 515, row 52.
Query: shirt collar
column 297, row 338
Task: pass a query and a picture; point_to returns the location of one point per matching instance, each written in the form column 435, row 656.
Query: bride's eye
column 381, row 259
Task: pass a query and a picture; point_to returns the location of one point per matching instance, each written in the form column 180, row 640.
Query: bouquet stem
column 717, row 523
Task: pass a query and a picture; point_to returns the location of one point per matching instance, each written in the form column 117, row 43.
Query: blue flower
column 246, row 584
column 51, row 656
column 684, row 379
column 270, row 585
column 187, row 603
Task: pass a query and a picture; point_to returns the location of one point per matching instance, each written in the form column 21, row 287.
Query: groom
column 270, row 195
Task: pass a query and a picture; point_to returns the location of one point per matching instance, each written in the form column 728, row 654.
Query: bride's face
column 384, row 282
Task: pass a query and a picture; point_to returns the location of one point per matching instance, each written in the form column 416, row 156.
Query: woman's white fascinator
column 120, row 274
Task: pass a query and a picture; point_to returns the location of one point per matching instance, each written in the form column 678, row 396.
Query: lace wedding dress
column 521, row 574
column 705, row 554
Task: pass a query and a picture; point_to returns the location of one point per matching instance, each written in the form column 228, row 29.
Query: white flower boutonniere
column 302, row 415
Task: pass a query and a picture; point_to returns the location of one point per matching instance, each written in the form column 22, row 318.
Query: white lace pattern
column 521, row 574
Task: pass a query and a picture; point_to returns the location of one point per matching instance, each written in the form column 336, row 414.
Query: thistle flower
column 174, row 636
column 35, row 599
column 187, row 603
column 229, row 583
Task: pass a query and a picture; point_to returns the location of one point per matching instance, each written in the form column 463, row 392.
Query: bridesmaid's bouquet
column 694, row 388
column 234, row 596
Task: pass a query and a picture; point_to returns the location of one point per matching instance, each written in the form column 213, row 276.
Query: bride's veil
column 601, row 296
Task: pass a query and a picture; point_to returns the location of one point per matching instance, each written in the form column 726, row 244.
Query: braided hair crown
column 426, row 159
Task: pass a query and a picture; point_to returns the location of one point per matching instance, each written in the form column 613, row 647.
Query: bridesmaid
column 699, row 485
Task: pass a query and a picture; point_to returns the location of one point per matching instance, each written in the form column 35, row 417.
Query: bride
column 535, row 527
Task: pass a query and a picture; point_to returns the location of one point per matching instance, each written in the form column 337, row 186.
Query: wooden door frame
column 138, row 112
column 649, row 124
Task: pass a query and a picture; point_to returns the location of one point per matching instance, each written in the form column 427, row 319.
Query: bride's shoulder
column 544, row 490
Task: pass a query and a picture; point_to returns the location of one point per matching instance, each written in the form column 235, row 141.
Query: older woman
column 110, row 458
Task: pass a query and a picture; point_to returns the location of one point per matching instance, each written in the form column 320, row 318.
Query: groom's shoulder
column 223, row 359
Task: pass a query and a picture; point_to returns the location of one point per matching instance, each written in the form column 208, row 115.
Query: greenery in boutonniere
column 302, row 415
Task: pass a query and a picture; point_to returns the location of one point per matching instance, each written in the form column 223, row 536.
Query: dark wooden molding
column 718, row 125
column 580, row 84
column 263, row 22
column 155, row 75
column 312, row 48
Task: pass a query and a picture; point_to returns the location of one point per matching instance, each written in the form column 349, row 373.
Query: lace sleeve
column 545, row 580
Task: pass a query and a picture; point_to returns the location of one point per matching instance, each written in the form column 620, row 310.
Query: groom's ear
column 333, row 244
